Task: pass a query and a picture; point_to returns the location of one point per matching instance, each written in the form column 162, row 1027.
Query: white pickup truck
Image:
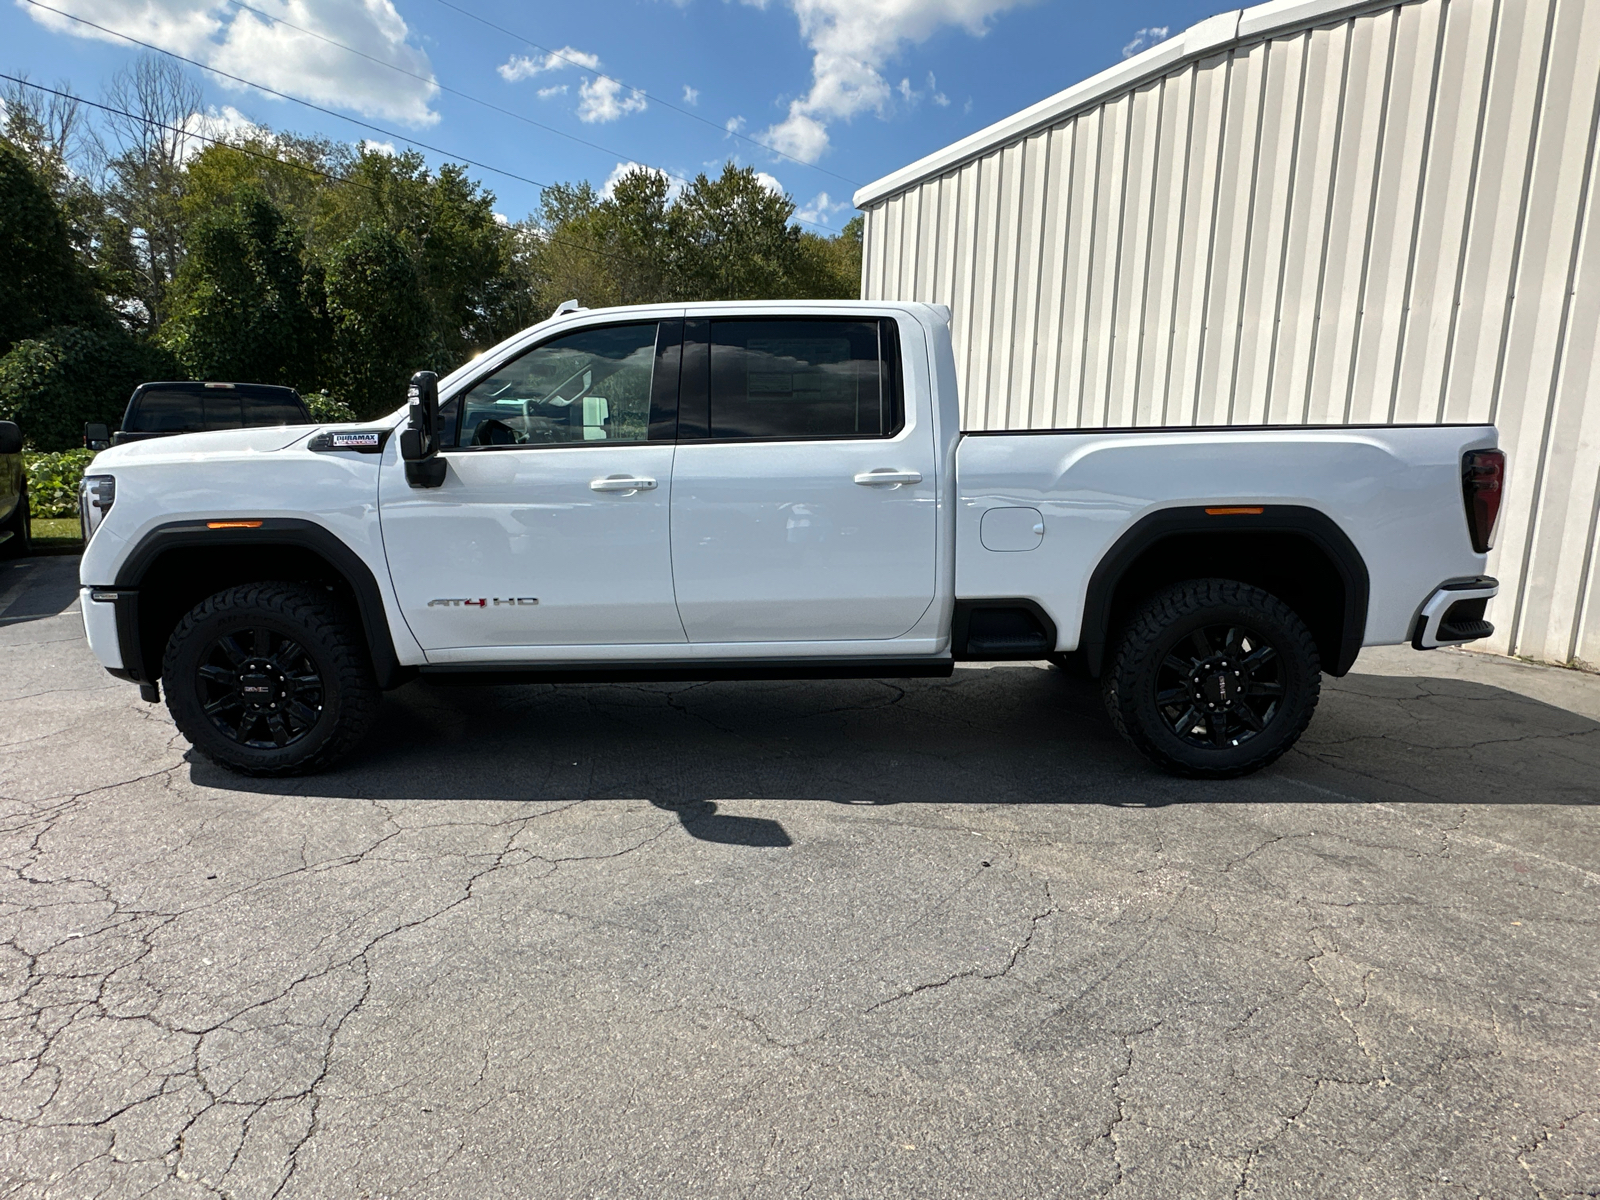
column 768, row 490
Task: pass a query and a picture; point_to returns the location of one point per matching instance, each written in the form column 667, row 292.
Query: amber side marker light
column 1234, row 512
column 235, row 524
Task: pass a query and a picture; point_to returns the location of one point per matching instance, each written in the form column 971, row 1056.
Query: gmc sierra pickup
column 761, row 490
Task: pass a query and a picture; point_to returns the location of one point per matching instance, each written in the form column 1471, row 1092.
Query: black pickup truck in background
column 163, row 409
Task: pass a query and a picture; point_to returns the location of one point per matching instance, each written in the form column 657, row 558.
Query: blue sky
column 847, row 90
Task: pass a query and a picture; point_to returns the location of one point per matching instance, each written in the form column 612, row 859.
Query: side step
column 493, row 675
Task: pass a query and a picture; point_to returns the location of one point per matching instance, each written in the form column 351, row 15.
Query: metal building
column 1310, row 211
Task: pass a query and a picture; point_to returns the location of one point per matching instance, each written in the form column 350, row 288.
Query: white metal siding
column 1389, row 217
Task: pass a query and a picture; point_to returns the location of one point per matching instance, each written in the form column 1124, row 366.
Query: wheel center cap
column 1218, row 688
column 262, row 687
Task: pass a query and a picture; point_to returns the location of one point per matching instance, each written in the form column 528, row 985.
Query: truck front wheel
column 1213, row 679
column 269, row 679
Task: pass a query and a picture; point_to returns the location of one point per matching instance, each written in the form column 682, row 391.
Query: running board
column 493, row 674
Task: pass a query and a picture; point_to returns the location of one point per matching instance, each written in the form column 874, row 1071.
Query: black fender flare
column 271, row 531
column 1317, row 527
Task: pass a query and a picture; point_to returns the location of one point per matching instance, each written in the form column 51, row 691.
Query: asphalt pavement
column 932, row 938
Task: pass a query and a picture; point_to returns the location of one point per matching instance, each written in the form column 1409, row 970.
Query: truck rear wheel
column 1213, row 679
column 270, row 679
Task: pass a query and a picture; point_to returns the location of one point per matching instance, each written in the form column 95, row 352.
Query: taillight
column 1483, row 477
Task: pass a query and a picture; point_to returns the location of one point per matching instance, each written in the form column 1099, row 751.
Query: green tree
column 244, row 307
column 829, row 267
column 732, row 239
column 464, row 258
column 42, row 281
column 52, row 384
column 380, row 320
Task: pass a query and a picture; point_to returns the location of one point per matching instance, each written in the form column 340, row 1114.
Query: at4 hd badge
column 483, row 602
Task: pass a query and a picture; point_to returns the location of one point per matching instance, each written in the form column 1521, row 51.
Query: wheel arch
column 178, row 564
column 1298, row 554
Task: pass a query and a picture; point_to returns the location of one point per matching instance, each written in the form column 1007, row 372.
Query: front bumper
column 1453, row 614
column 99, row 607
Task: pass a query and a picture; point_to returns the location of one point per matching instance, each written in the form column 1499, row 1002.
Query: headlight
column 96, row 495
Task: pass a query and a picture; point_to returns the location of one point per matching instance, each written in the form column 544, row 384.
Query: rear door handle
column 884, row 477
column 622, row 483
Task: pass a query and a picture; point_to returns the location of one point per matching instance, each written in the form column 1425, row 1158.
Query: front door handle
column 886, row 477
column 622, row 483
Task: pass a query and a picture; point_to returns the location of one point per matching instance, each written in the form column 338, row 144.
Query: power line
column 272, row 158
column 434, row 82
column 294, row 99
column 306, row 103
column 639, row 91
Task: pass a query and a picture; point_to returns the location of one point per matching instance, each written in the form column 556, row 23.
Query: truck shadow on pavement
column 1008, row 735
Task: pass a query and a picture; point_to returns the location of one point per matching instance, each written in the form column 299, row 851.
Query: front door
column 804, row 506
column 552, row 526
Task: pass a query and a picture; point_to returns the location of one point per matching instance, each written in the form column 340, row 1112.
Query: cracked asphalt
column 838, row 939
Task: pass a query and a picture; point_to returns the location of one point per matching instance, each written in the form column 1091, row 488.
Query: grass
column 56, row 535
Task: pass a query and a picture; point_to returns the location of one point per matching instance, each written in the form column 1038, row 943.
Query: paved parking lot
column 841, row 939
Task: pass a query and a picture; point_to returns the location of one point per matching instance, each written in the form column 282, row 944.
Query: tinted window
column 185, row 410
column 798, row 378
column 162, row 410
column 271, row 409
column 590, row 386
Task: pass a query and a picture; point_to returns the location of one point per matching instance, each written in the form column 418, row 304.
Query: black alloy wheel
column 270, row 678
column 1212, row 678
column 1220, row 686
column 260, row 688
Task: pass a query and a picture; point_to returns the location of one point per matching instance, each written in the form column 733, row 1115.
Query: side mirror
column 97, row 436
column 419, row 443
column 10, row 438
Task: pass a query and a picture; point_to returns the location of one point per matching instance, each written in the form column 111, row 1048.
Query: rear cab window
column 197, row 408
column 791, row 379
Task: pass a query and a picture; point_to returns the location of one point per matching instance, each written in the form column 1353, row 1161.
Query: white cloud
column 520, row 66
column 1144, row 39
column 939, row 97
column 771, row 184
column 240, row 42
column 821, row 209
column 734, row 124
column 603, row 99
column 600, row 98
column 225, row 124
column 674, row 187
column 691, row 95
column 851, row 42
column 373, row 146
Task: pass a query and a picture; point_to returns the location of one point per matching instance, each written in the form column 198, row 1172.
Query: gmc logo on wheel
column 483, row 602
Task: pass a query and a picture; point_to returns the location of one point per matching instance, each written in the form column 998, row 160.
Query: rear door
column 551, row 528
column 803, row 498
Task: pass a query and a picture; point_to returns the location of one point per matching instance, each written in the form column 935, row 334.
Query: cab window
column 800, row 378
column 589, row 386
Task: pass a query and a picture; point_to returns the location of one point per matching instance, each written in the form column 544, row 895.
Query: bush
column 325, row 410
column 53, row 481
column 52, row 385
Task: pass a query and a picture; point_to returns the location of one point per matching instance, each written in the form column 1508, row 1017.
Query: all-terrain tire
column 20, row 525
column 1216, row 715
column 270, row 679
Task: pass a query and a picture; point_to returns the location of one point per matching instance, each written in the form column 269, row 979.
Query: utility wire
column 272, row 158
column 434, row 82
column 639, row 91
column 295, row 99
